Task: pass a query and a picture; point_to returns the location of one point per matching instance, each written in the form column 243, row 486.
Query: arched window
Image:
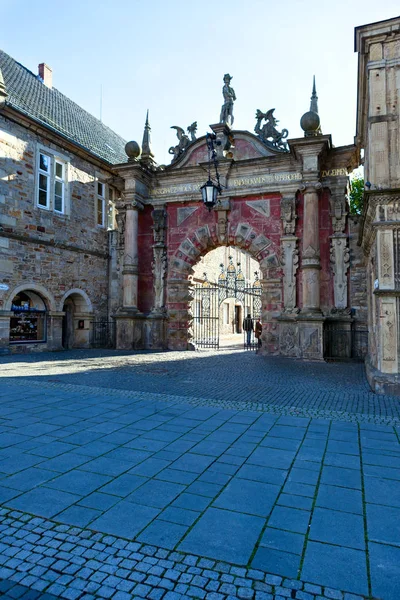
column 28, row 323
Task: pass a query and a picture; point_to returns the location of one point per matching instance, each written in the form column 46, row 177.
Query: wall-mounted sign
column 4, row 287
column 376, row 284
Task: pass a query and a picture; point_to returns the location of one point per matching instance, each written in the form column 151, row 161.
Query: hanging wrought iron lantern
column 209, row 193
column 210, row 190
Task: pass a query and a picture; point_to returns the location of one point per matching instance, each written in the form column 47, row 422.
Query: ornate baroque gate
column 208, row 297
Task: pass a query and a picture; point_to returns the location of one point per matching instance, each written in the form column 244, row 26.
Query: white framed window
column 51, row 181
column 104, row 204
column 111, row 208
column 59, row 186
column 101, row 203
column 44, row 175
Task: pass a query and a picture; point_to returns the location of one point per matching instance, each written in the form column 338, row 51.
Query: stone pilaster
column 310, row 264
column 289, row 253
column 340, row 259
column 130, row 268
column 339, row 251
column 290, row 261
column 159, row 265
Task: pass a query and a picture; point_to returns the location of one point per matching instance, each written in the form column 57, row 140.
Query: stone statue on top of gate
column 268, row 132
column 229, row 95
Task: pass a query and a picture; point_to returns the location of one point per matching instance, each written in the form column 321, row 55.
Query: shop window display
column 28, row 323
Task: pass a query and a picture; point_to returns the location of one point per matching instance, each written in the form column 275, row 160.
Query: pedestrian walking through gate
column 210, row 299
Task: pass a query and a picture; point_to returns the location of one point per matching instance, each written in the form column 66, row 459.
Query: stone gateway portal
column 284, row 201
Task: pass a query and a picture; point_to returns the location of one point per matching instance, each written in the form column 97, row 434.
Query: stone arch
column 84, row 305
column 77, row 319
column 196, row 244
column 206, row 238
column 47, row 297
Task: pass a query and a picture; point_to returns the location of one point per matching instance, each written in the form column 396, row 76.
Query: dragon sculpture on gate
column 268, row 132
column 184, row 140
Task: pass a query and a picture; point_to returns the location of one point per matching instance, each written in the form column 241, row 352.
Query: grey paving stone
column 289, row 519
column 292, row 501
column 342, row 460
column 78, row 515
column 99, row 501
column 125, row 519
column 179, row 515
column 350, row 572
column 385, row 570
column 299, row 489
column 382, row 491
column 27, row 479
column 307, row 476
column 263, row 457
column 223, row 535
column 156, row 493
column 339, row 498
column 275, row 561
column 383, row 524
column 123, row 485
column 163, row 533
column 150, row 467
column 78, row 482
column 340, row 528
column 282, row 540
column 342, row 477
column 192, row 502
column 43, row 501
column 249, row 497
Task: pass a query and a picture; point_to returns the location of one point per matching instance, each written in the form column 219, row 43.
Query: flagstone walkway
column 198, row 475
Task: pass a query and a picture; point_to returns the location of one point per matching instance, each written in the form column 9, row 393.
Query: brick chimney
column 46, row 75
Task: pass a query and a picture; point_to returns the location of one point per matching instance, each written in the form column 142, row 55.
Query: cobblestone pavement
column 196, row 475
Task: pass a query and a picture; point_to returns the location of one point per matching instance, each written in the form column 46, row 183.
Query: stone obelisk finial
column 310, row 121
column 314, row 98
column 147, row 153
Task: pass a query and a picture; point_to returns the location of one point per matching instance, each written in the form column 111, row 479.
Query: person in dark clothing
column 248, row 327
column 258, row 332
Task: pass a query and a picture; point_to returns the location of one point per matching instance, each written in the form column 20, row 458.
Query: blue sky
column 170, row 56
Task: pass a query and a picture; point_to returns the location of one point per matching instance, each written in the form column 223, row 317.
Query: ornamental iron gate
column 208, row 298
column 102, row 334
column 344, row 344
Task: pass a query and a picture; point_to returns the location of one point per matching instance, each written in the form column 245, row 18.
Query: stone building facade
column 378, row 135
column 56, row 192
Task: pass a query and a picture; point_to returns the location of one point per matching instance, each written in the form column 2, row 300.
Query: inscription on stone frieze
column 334, row 172
column 235, row 183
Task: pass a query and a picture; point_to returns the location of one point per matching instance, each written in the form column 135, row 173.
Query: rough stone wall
column 59, row 252
column 358, row 298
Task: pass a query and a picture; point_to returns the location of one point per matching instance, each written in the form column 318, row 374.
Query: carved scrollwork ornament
column 288, row 214
column 310, row 186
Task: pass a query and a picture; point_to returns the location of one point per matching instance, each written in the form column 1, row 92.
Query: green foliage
column 356, row 195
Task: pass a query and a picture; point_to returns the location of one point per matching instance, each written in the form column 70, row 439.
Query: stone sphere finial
column 132, row 150
column 310, row 123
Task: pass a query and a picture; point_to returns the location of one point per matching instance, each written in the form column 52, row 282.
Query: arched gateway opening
column 226, row 300
column 193, row 321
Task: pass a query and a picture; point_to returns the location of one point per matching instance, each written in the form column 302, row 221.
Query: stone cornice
column 52, row 243
column 368, row 223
